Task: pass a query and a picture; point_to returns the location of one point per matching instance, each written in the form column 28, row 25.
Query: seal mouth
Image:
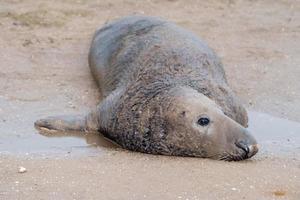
column 247, row 152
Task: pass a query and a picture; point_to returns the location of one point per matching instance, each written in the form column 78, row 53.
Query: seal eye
column 203, row 121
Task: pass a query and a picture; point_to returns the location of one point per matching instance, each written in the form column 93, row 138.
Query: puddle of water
column 275, row 136
column 80, row 143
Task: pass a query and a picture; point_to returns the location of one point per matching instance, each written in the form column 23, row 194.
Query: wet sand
column 44, row 71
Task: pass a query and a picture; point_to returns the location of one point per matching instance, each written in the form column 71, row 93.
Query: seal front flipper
column 98, row 119
column 68, row 123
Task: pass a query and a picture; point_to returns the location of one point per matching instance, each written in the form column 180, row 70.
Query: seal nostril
column 243, row 146
column 250, row 150
column 247, row 150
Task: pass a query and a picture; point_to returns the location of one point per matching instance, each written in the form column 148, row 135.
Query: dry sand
column 44, row 71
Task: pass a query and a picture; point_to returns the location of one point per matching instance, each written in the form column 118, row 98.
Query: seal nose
column 253, row 149
column 250, row 150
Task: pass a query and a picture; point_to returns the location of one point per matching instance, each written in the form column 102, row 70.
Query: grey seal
column 164, row 92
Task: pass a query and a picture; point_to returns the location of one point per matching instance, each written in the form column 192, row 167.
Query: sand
column 44, row 71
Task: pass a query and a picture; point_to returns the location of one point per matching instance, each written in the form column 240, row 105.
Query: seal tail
column 68, row 123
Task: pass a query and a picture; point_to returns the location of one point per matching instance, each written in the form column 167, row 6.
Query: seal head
column 202, row 129
column 182, row 122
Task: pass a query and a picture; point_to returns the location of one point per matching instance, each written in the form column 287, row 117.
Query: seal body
column 140, row 50
column 164, row 92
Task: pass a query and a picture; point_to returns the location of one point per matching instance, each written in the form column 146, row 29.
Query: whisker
column 225, row 156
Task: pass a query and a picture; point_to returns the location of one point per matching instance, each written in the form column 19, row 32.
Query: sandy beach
column 44, row 71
